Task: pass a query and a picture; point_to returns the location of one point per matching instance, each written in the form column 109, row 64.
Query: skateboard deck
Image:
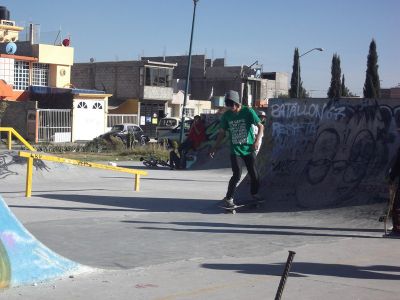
column 391, row 236
column 233, row 209
column 386, row 217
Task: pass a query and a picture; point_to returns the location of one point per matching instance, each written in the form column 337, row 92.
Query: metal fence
column 114, row 119
column 54, row 125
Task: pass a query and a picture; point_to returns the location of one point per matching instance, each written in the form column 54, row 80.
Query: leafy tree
column 335, row 88
column 372, row 84
column 295, row 80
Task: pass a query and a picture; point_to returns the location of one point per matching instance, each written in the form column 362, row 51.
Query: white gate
column 54, row 125
column 113, row 119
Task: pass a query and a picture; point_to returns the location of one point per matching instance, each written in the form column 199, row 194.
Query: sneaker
column 228, row 202
column 393, row 234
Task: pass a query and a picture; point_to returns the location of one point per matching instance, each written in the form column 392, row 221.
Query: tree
column 372, row 85
column 335, row 88
column 295, row 80
column 344, row 90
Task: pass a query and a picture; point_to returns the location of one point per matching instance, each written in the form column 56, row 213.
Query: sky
column 240, row 31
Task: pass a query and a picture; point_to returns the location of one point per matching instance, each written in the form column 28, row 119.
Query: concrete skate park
column 322, row 166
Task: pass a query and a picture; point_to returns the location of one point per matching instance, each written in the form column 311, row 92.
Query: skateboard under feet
column 250, row 204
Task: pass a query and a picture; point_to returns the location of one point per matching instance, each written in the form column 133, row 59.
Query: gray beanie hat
column 233, row 95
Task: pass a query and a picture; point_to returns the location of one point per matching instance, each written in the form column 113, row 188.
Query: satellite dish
column 11, row 48
column 92, row 60
column 66, row 42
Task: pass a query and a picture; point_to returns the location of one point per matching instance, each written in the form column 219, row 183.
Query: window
column 168, row 78
column 21, row 75
column 158, row 77
column 7, row 70
column 40, row 74
column 82, row 104
column 97, row 105
column 189, row 112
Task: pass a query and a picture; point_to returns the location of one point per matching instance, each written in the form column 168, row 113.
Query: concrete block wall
column 122, row 79
column 15, row 115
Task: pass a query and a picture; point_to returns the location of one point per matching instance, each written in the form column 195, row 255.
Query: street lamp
column 298, row 69
column 188, row 74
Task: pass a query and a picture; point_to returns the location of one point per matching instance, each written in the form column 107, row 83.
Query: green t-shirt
column 239, row 127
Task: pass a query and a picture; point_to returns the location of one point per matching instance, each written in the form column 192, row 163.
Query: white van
column 168, row 125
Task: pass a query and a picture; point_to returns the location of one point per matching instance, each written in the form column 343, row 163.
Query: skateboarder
column 238, row 120
column 394, row 174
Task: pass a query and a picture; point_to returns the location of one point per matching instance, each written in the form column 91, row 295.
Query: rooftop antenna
column 58, row 36
column 225, row 55
column 164, row 52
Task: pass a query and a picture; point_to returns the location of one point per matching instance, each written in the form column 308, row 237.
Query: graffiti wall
column 327, row 153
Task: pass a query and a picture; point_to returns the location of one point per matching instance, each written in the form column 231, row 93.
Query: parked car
column 166, row 126
column 168, row 136
column 122, row 131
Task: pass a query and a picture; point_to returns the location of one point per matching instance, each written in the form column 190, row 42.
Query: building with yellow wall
column 36, row 89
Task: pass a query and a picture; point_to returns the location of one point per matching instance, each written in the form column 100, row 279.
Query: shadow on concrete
column 134, row 204
column 65, row 190
column 304, row 269
column 145, row 178
column 259, row 230
column 71, row 208
column 257, row 226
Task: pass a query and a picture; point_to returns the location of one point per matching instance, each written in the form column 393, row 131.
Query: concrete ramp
column 23, row 259
column 319, row 153
column 221, row 159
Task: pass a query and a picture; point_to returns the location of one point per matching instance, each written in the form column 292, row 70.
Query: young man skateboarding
column 238, row 120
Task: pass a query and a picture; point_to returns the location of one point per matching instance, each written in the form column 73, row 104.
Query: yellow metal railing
column 11, row 131
column 31, row 156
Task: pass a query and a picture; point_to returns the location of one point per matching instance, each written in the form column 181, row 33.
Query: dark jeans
column 174, row 160
column 183, row 149
column 249, row 161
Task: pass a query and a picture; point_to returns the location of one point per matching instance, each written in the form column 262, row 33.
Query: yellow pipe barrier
column 9, row 139
column 11, row 131
column 29, row 171
column 31, row 156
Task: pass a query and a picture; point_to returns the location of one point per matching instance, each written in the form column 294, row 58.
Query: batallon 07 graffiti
column 331, row 151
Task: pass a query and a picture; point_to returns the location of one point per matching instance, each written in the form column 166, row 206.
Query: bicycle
column 152, row 161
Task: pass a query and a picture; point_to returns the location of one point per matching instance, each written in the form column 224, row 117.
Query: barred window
column 97, row 105
column 21, row 75
column 158, row 77
column 40, row 74
column 189, row 112
column 7, row 70
column 82, row 104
